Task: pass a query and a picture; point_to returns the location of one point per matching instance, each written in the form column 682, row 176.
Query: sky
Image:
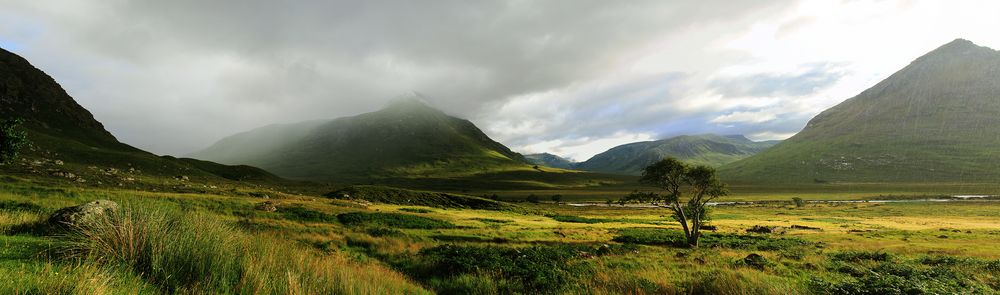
column 573, row 77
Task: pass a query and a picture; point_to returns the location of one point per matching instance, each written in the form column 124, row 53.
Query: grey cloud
column 816, row 77
column 194, row 71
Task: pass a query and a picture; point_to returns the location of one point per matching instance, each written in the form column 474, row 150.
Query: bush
column 578, row 219
column 674, row 238
column 532, row 198
column 396, row 220
column 383, row 232
column 300, row 213
column 20, row 206
column 12, row 139
column 857, row 256
column 799, row 202
column 415, row 210
column 398, row 196
column 881, row 273
column 528, row 270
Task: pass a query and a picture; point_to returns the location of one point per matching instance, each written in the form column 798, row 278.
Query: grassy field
column 219, row 243
column 746, row 192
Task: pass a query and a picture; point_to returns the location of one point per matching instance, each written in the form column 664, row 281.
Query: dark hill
column 62, row 131
column 406, row 139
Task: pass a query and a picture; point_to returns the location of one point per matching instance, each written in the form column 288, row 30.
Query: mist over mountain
column 550, row 160
column 406, row 139
column 706, row 149
column 61, row 130
column 933, row 120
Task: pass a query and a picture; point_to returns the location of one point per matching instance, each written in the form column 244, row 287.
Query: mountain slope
column 934, row 120
column 550, row 160
column 60, row 129
column 407, row 139
column 706, row 149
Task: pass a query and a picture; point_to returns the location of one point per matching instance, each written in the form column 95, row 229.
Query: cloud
column 175, row 76
column 812, row 79
column 744, row 117
column 195, row 71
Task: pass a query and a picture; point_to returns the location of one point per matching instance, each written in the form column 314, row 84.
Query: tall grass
column 195, row 253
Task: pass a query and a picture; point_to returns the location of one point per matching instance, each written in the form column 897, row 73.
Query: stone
column 766, row 229
column 267, row 207
column 83, row 214
column 755, row 260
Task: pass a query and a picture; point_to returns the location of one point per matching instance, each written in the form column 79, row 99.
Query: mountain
column 707, row 149
column 933, row 121
column 550, row 160
column 65, row 137
column 406, row 139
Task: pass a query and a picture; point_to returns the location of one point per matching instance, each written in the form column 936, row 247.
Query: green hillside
column 707, row 149
column 550, row 160
column 407, row 139
column 932, row 121
column 67, row 140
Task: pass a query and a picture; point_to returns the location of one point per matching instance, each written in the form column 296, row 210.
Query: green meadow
column 221, row 242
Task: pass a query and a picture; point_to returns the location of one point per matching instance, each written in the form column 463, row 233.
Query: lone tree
column 675, row 179
column 12, row 139
column 557, row 199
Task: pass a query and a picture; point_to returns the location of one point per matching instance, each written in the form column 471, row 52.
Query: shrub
column 799, row 202
column 12, row 139
column 532, row 198
column 528, row 270
column 674, row 238
column 415, row 210
column 398, row 196
column 383, row 232
column 396, row 220
column 578, row 219
column 300, row 213
column 857, row 256
column 20, row 206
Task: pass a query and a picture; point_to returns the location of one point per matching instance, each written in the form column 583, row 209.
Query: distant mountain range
column 936, row 120
column 66, row 140
column 406, row 139
column 706, row 149
column 933, row 121
column 550, row 160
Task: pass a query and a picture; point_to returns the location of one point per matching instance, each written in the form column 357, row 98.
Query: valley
column 893, row 191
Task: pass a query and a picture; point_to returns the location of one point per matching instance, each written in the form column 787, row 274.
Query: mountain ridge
column 925, row 122
column 62, row 131
column 407, row 138
column 702, row 149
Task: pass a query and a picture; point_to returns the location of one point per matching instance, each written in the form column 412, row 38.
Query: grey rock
column 83, row 214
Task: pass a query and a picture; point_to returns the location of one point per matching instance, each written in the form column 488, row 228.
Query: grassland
column 317, row 245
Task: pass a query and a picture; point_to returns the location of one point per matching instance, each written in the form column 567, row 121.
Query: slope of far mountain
column 707, row 149
column 550, row 160
column 60, row 129
column 935, row 120
column 407, row 139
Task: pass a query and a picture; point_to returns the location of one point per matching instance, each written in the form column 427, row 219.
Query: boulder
column 760, row 229
column 267, row 206
column 755, row 260
column 83, row 214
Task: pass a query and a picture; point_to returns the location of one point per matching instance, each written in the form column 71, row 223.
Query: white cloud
column 744, row 117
